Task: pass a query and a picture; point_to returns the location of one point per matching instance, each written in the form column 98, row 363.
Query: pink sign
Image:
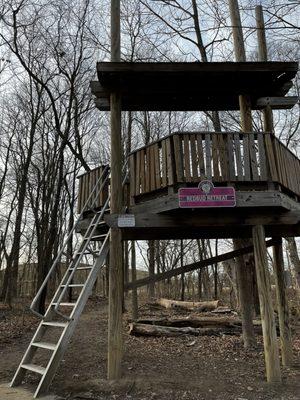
column 206, row 195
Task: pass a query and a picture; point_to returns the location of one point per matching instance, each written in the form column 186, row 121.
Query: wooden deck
column 265, row 174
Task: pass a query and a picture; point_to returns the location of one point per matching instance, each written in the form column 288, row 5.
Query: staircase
column 61, row 316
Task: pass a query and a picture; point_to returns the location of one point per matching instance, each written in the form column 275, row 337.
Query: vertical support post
column 245, row 294
column 115, row 342
column 263, row 56
column 282, row 306
column 240, row 56
column 266, row 310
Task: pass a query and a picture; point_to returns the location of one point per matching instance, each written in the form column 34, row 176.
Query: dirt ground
column 187, row 367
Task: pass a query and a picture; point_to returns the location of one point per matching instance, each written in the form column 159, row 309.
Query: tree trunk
column 294, row 257
column 188, row 305
column 151, row 245
column 133, row 277
column 245, row 297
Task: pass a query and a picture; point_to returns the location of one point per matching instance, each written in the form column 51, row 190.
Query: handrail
column 99, row 218
column 60, row 253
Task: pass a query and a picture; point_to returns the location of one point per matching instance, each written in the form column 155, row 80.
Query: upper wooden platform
column 192, row 86
column 265, row 174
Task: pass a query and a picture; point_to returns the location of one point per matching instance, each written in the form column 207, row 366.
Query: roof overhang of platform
column 194, row 86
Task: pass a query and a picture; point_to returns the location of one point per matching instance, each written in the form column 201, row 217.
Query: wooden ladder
column 56, row 318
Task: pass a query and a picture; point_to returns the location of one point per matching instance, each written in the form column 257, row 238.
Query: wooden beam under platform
column 207, row 224
column 244, row 199
column 194, row 266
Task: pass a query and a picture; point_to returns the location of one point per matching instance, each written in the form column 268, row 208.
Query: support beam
column 192, row 267
column 282, row 305
column 115, row 341
column 263, row 56
column 266, row 310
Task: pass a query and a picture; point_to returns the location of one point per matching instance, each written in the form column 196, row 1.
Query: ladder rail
column 95, row 191
column 77, row 263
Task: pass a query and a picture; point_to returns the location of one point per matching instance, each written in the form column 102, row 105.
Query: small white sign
column 126, row 220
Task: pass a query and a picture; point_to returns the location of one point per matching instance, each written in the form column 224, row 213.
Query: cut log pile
column 208, row 325
column 188, row 305
column 202, row 326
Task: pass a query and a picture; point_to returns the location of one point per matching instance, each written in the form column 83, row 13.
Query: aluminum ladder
column 56, row 322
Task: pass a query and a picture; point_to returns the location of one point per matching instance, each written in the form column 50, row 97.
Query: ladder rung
column 35, row 368
column 73, row 285
column 82, row 268
column 99, row 236
column 65, row 304
column 45, row 345
column 55, row 324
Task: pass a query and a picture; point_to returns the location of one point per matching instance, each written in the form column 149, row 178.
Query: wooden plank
column 143, row 171
column 170, row 164
column 200, row 155
column 152, row 168
column 238, row 156
column 215, row 156
column 230, row 157
column 132, row 176
column 138, row 178
column 223, row 157
column 266, row 308
column 246, row 156
column 253, row 161
column 195, row 176
column 178, row 158
column 157, row 166
column 164, row 163
column 147, row 169
column 187, row 165
column 79, row 200
column 262, row 157
column 277, row 102
column 208, row 156
column 270, row 156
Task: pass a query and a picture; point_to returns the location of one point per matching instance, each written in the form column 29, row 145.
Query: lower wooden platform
column 162, row 218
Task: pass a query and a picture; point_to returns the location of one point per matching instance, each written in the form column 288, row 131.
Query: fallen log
column 201, row 322
column 188, row 305
column 138, row 329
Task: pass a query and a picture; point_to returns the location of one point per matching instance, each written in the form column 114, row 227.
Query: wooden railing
column 284, row 166
column 189, row 157
column 87, row 182
column 221, row 157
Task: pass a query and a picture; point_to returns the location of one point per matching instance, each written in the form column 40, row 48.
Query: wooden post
column 240, row 56
column 263, row 56
column 266, row 309
column 115, row 342
column 282, row 306
column 245, row 294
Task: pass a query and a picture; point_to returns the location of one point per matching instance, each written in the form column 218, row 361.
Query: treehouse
column 185, row 185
